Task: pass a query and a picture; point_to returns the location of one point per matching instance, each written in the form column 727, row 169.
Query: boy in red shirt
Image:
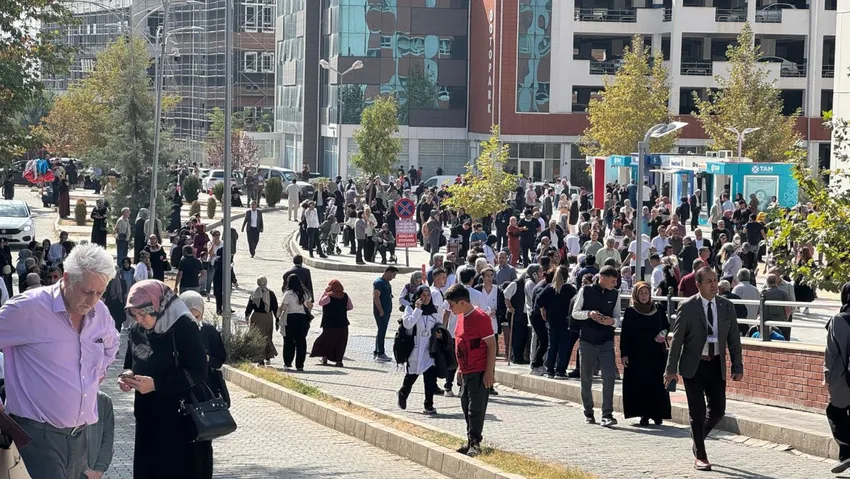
column 475, row 344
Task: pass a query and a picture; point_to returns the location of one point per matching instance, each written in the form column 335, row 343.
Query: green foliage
column 218, row 190
column 632, row 102
column 28, row 53
column 195, row 208
column 378, row 145
column 353, row 103
column 191, row 187
column 244, row 344
column 747, row 98
column 211, row 204
column 81, row 213
column 274, row 191
column 486, row 185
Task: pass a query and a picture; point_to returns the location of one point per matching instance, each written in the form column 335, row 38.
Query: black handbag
column 208, row 419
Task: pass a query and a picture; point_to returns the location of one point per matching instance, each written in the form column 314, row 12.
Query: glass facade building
column 534, row 52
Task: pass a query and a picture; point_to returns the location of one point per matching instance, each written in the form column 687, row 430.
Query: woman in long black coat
column 139, row 236
column 176, row 205
column 98, row 227
column 643, row 351
column 213, row 344
column 165, row 360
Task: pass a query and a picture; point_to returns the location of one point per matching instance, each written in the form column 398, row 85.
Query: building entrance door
column 531, row 168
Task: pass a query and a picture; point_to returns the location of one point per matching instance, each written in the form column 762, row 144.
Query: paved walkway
column 549, row 429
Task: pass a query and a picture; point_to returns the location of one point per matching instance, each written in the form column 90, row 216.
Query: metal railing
column 730, row 15
column 792, row 70
column 828, row 71
column 604, row 68
column 606, row 15
column 773, row 15
column 703, row 69
column 668, row 15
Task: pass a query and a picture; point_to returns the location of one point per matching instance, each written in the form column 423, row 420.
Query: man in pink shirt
column 58, row 341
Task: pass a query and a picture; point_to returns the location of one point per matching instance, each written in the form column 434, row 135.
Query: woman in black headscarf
column 835, row 376
column 419, row 319
column 139, row 236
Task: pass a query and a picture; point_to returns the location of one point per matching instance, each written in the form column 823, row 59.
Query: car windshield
column 217, row 174
column 9, row 210
column 288, row 176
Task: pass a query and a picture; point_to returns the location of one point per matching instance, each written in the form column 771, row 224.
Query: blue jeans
column 382, row 322
column 123, row 247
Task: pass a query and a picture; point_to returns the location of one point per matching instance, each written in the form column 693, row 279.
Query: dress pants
column 253, row 239
column 473, row 401
column 430, row 378
column 293, row 209
column 542, row 334
column 707, row 384
column 295, row 341
column 519, row 337
column 604, row 353
column 53, row 453
column 559, row 349
column 839, row 422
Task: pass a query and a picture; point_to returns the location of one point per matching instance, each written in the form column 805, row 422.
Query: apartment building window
column 268, row 18
column 267, row 62
column 252, row 14
column 250, row 62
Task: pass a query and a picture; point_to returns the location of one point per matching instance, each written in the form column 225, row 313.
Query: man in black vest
column 514, row 292
column 598, row 308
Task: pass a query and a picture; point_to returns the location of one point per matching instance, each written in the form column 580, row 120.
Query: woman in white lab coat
column 419, row 319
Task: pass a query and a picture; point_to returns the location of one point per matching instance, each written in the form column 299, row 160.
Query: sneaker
column 463, row 449
column 448, row 393
column 841, row 466
column 560, row 376
column 383, row 358
column 474, row 450
column 589, row 419
column 574, row 374
column 608, row 421
column 429, row 411
column 537, row 371
column 402, row 400
column 550, row 375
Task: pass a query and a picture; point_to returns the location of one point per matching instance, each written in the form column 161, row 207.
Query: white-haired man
column 58, row 341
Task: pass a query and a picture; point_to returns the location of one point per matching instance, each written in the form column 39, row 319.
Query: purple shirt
column 53, row 373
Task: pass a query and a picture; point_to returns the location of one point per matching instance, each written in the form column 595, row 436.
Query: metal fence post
column 670, row 306
column 764, row 331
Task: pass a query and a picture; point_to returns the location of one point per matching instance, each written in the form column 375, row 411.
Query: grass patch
column 511, row 462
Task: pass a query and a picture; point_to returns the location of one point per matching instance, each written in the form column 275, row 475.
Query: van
column 439, row 181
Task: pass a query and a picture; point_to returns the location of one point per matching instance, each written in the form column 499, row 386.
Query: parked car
column 286, row 176
column 772, row 13
column 16, row 222
column 218, row 175
column 439, row 181
column 786, row 68
column 16, row 171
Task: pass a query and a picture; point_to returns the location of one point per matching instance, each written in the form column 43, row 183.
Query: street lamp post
column 656, row 131
column 741, row 135
column 228, row 165
column 327, row 66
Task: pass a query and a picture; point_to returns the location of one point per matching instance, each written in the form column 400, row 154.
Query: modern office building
column 841, row 100
column 416, row 50
column 194, row 64
column 536, row 63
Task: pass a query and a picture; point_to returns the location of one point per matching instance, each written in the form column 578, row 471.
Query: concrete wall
column 841, row 98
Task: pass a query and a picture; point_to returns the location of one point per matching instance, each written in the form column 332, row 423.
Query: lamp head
column 324, row 64
column 668, row 128
column 357, row 65
column 751, row 130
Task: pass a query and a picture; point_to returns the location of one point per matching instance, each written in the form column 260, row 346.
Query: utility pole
column 161, row 43
column 227, row 257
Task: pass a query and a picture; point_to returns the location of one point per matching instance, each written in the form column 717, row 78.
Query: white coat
column 420, row 358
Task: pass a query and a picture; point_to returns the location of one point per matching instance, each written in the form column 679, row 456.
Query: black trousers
column 525, row 247
column 519, row 337
column 430, row 379
column 542, row 332
column 361, row 243
column 706, row 385
column 839, row 422
column 313, row 241
column 473, row 401
column 253, row 239
column 383, row 248
column 559, row 349
column 295, row 342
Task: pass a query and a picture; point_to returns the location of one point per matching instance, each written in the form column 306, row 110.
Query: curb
column 425, row 453
column 809, row 442
column 318, row 263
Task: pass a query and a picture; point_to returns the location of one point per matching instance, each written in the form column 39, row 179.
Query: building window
column 251, row 16
column 268, row 18
column 267, row 62
column 250, row 62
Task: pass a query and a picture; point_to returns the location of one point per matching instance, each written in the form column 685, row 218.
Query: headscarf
column 157, row 299
column 115, row 285
column 416, row 278
column 647, row 309
column 335, row 289
column 193, row 300
column 142, row 215
column 22, row 258
column 261, row 294
column 845, row 297
column 427, row 309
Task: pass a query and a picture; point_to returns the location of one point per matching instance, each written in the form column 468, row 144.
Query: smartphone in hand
column 127, row 375
column 671, row 387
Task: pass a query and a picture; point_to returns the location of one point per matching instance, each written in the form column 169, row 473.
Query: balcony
column 608, row 67
column 668, row 15
column 730, row 15
column 828, row 71
column 702, row 68
column 790, row 69
column 606, row 15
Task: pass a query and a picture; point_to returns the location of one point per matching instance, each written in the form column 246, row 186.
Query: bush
column 81, row 212
column 191, row 187
column 218, row 190
column 195, row 208
column 211, row 204
column 244, row 344
column 274, row 191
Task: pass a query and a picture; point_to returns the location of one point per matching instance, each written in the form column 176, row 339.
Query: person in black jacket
column 302, row 273
column 529, row 226
column 684, row 210
column 598, row 308
column 503, row 218
column 216, row 353
column 555, row 306
column 331, row 344
column 165, row 359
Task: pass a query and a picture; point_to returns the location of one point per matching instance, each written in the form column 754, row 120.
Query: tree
column 630, row 103
column 420, row 92
column 747, row 98
column 485, row 185
column 79, row 122
column 244, row 152
column 353, row 103
column 378, row 147
column 27, row 54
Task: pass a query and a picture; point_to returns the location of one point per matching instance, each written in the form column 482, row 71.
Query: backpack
column 403, row 343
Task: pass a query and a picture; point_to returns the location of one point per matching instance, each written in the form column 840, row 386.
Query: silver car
column 16, row 222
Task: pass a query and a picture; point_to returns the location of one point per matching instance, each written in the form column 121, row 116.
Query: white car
column 786, row 67
column 16, row 222
column 218, row 175
column 286, row 176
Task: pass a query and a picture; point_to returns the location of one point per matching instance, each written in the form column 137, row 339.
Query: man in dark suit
column 705, row 324
column 302, row 273
column 254, row 222
column 699, row 241
column 693, row 202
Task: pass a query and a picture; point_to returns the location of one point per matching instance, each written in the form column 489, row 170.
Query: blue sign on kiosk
column 765, row 180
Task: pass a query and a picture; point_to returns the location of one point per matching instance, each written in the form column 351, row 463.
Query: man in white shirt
column 254, row 222
column 660, row 241
column 727, row 204
column 572, row 244
column 657, row 271
column 644, row 254
column 293, row 194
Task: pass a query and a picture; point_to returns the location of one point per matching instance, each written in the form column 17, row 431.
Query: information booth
column 765, row 180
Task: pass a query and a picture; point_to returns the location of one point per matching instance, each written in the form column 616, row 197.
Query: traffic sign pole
column 405, row 227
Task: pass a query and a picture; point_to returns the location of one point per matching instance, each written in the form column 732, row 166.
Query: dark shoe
column 550, row 375
column 383, row 358
column 608, row 421
column 560, row 376
column 323, row 256
column 702, row 465
column 474, row 450
column 299, row 369
column 644, row 421
column 311, row 254
column 361, row 263
column 589, row 419
column 658, row 422
column 493, row 392
column 438, row 392
column 383, row 261
column 463, row 449
column 429, row 411
column 841, row 466
column 448, row 393
column 574, row 374
column 402, row 400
